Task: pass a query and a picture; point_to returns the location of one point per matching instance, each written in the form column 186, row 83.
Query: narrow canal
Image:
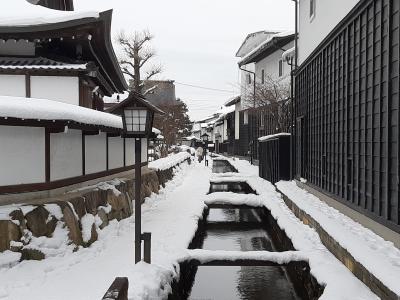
column 241, row 230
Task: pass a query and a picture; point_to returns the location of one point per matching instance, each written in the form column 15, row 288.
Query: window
column 312, row 9
column 248, row 78
column 280, row 68
column 262, row 76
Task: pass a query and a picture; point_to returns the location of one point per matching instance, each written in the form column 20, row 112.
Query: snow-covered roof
column 42, row 109
column 288, row 54
column 38, row 63
column 264, row 46
column 18, row 13
column 272, row 136
column 233, row 100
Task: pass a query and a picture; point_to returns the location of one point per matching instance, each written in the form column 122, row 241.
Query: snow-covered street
column 172, row 217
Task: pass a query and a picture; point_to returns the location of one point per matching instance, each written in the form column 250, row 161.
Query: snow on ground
column 339, row 282
column 169, row 161
column 172, row 218
column 380, row 257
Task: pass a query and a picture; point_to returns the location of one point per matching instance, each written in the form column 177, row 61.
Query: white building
column 317, row 18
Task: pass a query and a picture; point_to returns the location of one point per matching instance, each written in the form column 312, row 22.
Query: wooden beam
column 27, row 85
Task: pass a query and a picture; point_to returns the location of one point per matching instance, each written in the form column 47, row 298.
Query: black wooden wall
column 347, row 112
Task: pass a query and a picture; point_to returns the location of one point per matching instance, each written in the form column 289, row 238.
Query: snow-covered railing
column 169, row 161
column 223, row 257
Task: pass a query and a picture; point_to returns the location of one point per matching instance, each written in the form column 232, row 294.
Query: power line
column 204, row 88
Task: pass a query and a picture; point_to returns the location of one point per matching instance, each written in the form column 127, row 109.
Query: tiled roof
column 38, row 63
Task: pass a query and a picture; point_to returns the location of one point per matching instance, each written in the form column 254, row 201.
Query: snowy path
column 171, row 216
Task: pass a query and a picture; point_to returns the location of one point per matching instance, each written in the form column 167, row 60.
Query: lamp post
column 137, row 118
column 205, row 137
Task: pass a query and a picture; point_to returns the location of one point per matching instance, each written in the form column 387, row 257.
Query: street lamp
column 205, row 137
column 137, row 118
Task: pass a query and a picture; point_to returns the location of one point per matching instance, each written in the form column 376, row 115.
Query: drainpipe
column 296, row 33
column 254, row 105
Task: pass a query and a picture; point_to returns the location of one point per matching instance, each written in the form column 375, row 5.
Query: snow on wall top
column 42, row 109
column 272, row 136
column 22, row 13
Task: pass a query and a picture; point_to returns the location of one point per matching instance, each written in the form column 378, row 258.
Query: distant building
column 160, row 92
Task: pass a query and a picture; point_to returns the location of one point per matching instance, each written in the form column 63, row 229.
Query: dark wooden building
column 347, row 113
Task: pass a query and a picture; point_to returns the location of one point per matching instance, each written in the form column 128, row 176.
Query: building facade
column 54, row 72
column 347, row 105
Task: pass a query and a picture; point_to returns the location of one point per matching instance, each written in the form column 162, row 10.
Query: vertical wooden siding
column 348, row 95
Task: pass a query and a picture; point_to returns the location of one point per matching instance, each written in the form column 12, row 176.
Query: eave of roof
column 97, row 30
column 39, row 63
column 267, row 48
column 233, row 101
column 133, row 96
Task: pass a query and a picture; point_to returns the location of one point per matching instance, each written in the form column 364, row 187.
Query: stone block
column 95, row 199
column 36, row 221
column 103, row 217
column 79, row 206
column 93, row 236
column 8, row 232
column 74, row 231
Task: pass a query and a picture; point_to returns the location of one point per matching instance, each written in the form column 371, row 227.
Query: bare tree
column 137, row 53
column 271, row 102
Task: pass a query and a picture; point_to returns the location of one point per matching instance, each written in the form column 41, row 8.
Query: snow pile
column 169, row 161
column 380, row 257
column 42, row 109
column 289, row 54
column 272, row 136
column 205, row 256
column 9, row 259
column 22, row 13
column 323, row 265
column 57, row 245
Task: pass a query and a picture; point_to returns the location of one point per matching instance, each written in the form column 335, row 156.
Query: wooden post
column 138, row 213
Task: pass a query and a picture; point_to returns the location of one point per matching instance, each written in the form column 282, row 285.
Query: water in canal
column 241, row 230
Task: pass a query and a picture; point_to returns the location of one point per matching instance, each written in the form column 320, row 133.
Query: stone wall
column 341, row 253
column 82, row 213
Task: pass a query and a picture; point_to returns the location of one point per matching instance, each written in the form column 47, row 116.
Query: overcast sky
column 196, row 41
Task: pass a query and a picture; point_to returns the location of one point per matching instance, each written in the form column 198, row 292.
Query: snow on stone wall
column 63, row 89
column 65, row 155
column 96, row 153
column 12, row 85
column 22, row 155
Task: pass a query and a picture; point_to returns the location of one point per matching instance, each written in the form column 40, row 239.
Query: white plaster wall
column 21, row 47
column 22, row 155
column 115, row 152
column 237, row 120
column 225, row 130
column 65, row 155
column 59, row 88
column 96, row 153
column 246, row 89
column 270, row 65
column 328, row 14
column 12, row 85
column 129, row 152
